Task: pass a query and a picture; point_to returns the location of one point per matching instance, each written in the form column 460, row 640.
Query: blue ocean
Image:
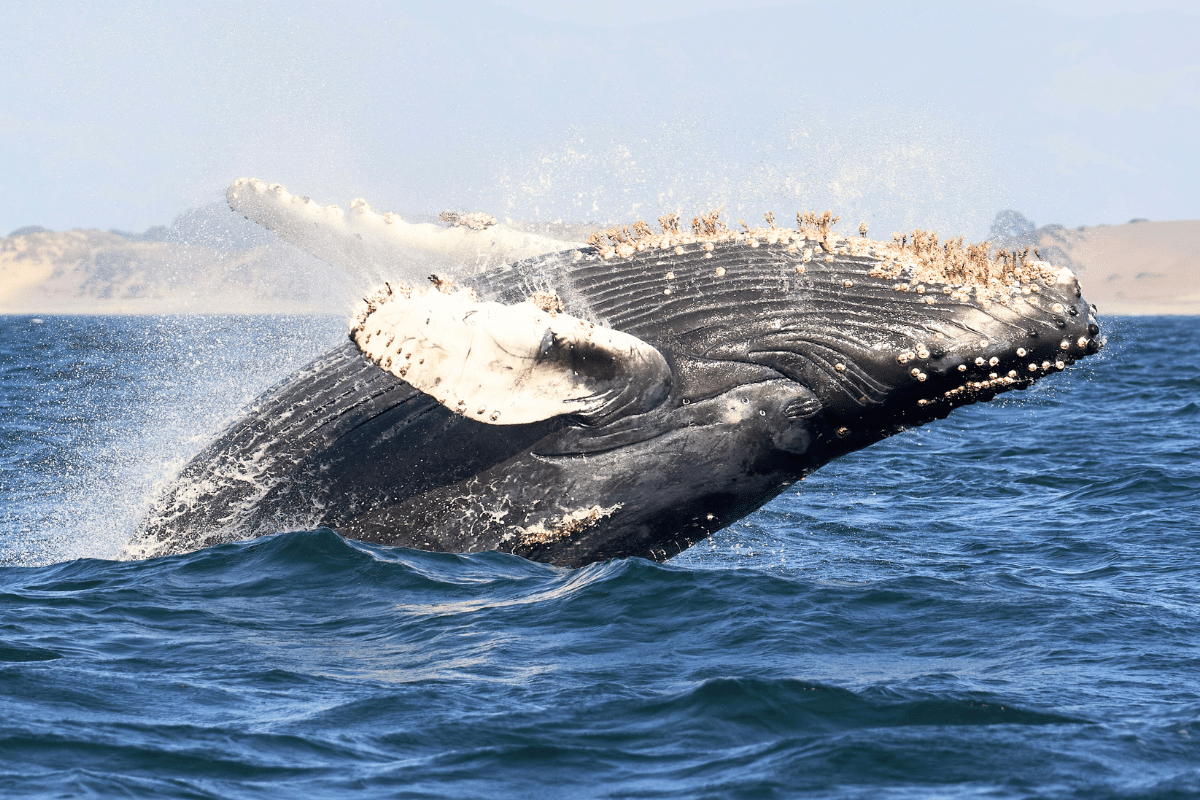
column 1002, row 604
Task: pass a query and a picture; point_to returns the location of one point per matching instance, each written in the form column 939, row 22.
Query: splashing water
column 104, row 410
column 895, row 170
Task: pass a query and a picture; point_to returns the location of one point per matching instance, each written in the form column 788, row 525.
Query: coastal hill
column 209, row 261
column 92, row 272
column 212, row 261
column 1140, row 267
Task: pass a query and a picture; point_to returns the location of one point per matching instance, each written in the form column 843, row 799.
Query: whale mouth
column 1035, row 328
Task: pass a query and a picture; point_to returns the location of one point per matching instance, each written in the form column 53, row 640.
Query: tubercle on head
column 935, row 272
column 926, row 263
column 1005, row 277
column 1016, row 370
column 707, row 229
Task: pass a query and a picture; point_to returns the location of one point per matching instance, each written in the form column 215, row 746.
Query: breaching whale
column 571, row 402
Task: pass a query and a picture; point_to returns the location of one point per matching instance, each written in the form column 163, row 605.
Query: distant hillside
column 208, row 261
column 1140, row 267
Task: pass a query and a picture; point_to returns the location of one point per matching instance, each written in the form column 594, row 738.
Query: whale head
column 873, row 338
column 787, row 350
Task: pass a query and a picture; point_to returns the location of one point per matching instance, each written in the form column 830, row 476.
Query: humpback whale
column 570, row 402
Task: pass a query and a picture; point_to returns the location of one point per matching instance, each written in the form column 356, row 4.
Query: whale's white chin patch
column 507, row 364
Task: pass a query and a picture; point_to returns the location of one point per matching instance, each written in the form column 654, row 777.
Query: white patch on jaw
column 495, row 363
column 736, row 411
column 376, row 246
column 570, row 523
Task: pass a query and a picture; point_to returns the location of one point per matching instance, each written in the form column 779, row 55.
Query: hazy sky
column 124, row 114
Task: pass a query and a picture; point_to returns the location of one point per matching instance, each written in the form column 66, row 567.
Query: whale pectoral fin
column 375, row 245
column 508, row 364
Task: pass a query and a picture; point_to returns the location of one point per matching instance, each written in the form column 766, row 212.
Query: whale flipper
column 509, row 364
column 378, row 246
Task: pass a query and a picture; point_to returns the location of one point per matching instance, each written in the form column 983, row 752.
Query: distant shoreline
column 150, row 314
column 54, row 314
column 221, row 266
column 1141, row 268
column 93, row 272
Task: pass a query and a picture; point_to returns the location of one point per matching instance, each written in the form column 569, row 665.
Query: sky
column 925, row 114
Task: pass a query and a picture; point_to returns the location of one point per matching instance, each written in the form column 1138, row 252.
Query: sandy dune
column 1136, row 268
column 91, row 272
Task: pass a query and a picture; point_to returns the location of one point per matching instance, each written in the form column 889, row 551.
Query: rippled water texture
column 1003, row 604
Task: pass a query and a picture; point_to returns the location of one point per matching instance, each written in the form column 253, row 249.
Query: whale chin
column 623, row 398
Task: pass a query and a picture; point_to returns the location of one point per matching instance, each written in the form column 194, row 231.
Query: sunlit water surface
column 1003, row 604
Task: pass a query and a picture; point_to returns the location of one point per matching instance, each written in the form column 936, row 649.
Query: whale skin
column 601, row 401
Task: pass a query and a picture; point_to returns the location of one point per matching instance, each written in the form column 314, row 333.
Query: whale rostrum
column 624, row 397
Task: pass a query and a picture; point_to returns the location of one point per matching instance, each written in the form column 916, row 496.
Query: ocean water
column 1002, row 604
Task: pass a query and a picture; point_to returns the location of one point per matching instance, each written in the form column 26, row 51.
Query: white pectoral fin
column 508, row 364
column 378, row 246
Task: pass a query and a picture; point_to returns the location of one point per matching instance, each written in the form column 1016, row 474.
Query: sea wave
column 1002, row 604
